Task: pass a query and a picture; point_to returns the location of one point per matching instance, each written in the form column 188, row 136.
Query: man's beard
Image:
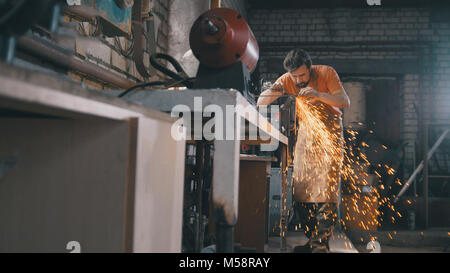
column 302, row 84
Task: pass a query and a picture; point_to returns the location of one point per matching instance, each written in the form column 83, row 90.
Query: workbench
column 254, row 189
column 81, row 171
column 225, row 180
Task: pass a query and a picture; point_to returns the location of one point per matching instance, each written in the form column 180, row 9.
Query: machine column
column 225, row 191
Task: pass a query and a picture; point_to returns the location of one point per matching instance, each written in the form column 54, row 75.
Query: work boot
column 312, row 248
column 303, row 249
column 320, row 249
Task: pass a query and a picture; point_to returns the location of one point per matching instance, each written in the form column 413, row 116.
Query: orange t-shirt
column 323, row 79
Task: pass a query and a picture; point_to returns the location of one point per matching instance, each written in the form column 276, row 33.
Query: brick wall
column 114, row 54
column 413, row 44
column 238, row 5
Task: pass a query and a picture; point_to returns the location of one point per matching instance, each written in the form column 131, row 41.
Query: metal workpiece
column 166, row 100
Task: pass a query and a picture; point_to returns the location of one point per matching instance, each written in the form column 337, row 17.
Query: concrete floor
column 427, row 241
column 433, row 240
column 397, row 249
column 339, row 243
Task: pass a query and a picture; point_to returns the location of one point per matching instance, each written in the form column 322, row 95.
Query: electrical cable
column 146, row 84
column 140, row 86
column 180, row 75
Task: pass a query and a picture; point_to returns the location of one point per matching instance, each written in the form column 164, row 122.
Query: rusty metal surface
column 114, row 16
column 221, row 37
column 114, row 20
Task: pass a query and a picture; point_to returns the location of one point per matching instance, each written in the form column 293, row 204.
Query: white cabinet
column 79, row 166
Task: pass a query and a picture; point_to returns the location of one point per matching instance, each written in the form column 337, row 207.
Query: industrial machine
column 227, row 50
column 228, row 53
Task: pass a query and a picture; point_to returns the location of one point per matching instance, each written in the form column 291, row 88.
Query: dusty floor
column 339, row 243
column 397, row 249
column 429, row 241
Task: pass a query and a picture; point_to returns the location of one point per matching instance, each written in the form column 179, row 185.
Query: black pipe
column 65, row 59
column 180, row 76
column 7, row 48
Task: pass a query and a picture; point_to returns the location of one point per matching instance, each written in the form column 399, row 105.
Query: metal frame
column 225, row 178
column 426, row 175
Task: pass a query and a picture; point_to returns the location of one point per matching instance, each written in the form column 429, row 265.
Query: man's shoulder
column 284, row 77
column 321, row 68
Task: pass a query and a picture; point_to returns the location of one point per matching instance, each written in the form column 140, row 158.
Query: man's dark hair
column 296, row 58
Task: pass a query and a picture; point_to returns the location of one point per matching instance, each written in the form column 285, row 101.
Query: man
column 316, row 194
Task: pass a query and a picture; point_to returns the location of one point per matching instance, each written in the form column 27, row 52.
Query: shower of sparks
column 321, row 148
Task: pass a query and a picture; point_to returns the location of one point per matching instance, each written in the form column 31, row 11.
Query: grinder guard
column 227, row 50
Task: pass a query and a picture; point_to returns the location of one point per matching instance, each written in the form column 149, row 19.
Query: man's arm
column 339, row 98
column 270, row 95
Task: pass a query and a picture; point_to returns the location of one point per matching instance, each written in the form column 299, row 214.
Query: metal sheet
column 275, row 199
column 115, row 21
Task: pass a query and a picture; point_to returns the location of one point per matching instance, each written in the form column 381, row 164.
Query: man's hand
column 310, row 94
column 337, row 99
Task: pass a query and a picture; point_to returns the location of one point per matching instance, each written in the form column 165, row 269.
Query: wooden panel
column 68, row 184
column 250, row 229
column 159, row 189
